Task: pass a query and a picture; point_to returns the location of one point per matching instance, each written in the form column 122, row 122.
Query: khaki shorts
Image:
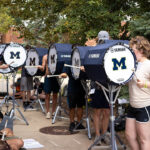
column 26, row 83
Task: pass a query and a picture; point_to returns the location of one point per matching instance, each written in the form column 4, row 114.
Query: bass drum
column 15, row 55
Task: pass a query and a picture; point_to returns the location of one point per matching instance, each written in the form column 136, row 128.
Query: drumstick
column 71, row 66
column 135, row 74
column 11, row 63
column 31, row 66
column 4, row 133
column 50, row 76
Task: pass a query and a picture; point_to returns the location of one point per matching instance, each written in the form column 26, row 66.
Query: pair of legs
column 54, row 102
column 79, row 114
column 101, row 120
column 138, row 134
column 14, row 143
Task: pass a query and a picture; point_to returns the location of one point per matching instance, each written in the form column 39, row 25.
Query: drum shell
column 63, row 52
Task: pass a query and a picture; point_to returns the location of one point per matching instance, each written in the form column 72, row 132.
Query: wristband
column 145, row 85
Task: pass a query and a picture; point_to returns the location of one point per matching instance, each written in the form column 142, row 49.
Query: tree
column 6, row 21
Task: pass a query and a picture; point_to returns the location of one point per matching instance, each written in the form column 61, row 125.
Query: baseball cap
column 103, row 35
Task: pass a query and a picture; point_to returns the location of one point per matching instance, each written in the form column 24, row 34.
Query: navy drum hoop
column 58, row 55
column 14, row 55
column 7, row 70
column 77, row 57
column 112, row 62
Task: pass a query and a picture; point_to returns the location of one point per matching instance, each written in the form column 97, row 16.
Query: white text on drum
column 94, row 55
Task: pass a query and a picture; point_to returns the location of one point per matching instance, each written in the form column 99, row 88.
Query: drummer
column 26, row 85
column 50, row 85
column 76, row 98
column 99, row 102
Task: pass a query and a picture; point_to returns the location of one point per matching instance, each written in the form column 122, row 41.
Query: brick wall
column 11, row 36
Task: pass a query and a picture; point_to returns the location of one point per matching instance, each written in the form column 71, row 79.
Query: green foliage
column 74, row 21
column 141, row 25
column 124, row 93
column 6, row 21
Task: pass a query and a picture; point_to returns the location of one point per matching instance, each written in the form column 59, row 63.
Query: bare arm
column 44, row 61
column 4, row 66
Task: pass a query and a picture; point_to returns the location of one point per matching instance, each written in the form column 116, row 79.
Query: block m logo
column 17, row 55
column 76, row 61
column 52, row 59
column 32, row 62
column 117, row 64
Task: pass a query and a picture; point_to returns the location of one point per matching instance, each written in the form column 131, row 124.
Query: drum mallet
column 135, row 74
column 71, row 66
column 31, row 66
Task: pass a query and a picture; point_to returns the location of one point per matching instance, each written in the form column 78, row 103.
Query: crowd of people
column 138, row 117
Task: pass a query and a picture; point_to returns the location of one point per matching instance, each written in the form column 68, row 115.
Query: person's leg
column 47, row 98
column 28, row 95
column 15, row 144
column 105, row 120
column 54, row 102
column 131, row 133
column 96, row 119
column 79, row 114
column 143, row 130
column 24, row 96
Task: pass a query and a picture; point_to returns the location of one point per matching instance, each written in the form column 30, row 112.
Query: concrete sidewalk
column 37, row 120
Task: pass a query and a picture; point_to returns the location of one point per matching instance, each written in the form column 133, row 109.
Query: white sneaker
column 48, row 115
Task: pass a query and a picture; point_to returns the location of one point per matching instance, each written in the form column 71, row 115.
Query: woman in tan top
column 138, row 118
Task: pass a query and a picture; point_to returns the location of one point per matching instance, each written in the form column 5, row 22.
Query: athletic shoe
column 80, row 126
column 72, row 126
column 96, row 138
column 48, row 115
column 30, row 108
column 106, row 138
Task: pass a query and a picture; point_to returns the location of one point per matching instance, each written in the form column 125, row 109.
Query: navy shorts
column 99, row 100
column 77, row 99
column 139, row 114
column 51, row 85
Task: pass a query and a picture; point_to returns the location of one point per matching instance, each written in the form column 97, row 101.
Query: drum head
column 119, row 61
column 32, row 60
column 76, row 62
column 52, row 59
column 15, row 55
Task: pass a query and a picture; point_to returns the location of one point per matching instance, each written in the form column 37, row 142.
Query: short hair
column 142, row 45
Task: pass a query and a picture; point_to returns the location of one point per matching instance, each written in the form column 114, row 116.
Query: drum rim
column 74, row 49
column 25, row 55
column 48, row 57
column 4, row 61
column 135, row 64
column 32, row 49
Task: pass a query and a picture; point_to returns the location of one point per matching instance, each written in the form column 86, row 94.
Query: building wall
column 11, row 36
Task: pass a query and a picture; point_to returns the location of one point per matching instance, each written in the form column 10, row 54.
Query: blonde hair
column 142, row 45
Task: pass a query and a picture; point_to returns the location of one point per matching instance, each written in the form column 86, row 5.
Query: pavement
column 37, row 120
